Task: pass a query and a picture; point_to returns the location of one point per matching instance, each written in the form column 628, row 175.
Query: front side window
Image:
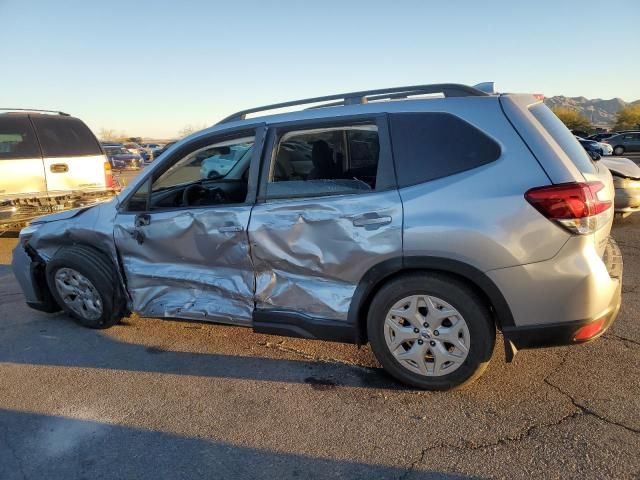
column 215, row 174
column 17, row 139
column 325, row 161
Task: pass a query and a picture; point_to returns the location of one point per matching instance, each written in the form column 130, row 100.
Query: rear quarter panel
column 480, row 216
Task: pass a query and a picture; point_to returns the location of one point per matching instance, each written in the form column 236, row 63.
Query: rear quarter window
column 563, row 137
column 17, row 138
column 432, row 145
column 65, row 137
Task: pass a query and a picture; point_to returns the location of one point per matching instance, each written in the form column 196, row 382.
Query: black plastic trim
column 294, row 324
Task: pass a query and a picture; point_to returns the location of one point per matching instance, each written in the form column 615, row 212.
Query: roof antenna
column 486, row 87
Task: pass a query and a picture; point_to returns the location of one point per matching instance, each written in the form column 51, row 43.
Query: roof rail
column 35, row 110
column 354, row 98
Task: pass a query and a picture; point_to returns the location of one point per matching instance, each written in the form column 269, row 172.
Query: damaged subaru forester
column 421, row 219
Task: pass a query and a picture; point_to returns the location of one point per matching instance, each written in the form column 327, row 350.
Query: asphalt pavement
column 155, row 399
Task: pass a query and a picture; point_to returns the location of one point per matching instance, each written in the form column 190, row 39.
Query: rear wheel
column 618, row 150
column 431, row 331
column 84, row 285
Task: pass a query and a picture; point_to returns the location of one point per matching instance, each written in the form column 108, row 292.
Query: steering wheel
column 193, row 195
column 196, row 194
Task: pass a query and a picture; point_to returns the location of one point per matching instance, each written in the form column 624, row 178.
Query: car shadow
column 54, row 447
column 55, row 340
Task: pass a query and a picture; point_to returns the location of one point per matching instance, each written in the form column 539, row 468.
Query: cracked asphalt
column 163, row 399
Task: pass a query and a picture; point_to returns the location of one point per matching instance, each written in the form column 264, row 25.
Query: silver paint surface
column 309, row 256
column 186, row 267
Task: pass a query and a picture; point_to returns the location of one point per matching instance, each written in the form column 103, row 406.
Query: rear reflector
column 575, row 206
column 589, row 331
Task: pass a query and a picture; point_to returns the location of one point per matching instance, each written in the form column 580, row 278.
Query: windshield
column 563, row 137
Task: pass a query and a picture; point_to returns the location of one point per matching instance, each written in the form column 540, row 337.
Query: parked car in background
column 219, row 164
column 626, row 180
column 607, row 150
column 598, row 137
column 49, row 162
column 121, row 158
column 161, row 150
column 137, row 149
column 592, row 147
column 624, row 142
column 420, row 225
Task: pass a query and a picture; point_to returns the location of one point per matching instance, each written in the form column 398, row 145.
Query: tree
column 573, row 119
column 189, row 129
column 628, row 118
column 107, row 134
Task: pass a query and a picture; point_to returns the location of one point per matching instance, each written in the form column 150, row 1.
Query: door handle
column 59, row 168
column 371, row 220
column 231, row 229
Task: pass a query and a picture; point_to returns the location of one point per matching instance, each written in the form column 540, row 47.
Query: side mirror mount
column 595, row 156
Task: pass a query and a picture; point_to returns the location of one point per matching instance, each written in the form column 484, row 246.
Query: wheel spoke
column 455, row 335
column 416, row 355
column 442, row 359
column 398, row 334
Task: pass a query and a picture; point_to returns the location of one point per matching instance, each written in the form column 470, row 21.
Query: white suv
column 49, row 161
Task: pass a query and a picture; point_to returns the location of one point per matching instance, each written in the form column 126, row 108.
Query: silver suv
column 49, row 161
column 421, row 225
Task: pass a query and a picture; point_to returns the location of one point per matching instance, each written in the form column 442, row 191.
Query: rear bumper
column 17, row 212
column 553, row 301
column 557, row 334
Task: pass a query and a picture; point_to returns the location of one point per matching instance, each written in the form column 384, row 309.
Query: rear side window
column 432, row 145
column 17, row 138
column 563, row 137
column 65, row 137
column 325, row 161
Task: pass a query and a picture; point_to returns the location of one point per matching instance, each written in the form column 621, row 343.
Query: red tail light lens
column 575, row 206
column 589, row 331
column 108, row 175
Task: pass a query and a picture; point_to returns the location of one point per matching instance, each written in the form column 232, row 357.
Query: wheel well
column 363, row 310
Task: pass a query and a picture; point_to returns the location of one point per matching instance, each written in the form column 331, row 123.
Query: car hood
column 67, row 214
column 622, row 167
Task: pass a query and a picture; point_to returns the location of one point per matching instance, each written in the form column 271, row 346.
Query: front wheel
column 84, row 285
column 618, row 150
column 431, row 331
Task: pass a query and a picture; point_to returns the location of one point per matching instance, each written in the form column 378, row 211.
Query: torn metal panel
column 310, row 254
column 191, row 263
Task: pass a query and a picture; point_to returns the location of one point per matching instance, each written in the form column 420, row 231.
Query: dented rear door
column 314, row 238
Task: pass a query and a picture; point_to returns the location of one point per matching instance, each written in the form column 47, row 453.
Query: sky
column 150, row 68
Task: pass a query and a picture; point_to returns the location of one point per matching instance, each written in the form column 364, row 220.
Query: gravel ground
column 164, row 399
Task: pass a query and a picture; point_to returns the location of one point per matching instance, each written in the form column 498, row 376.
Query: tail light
column 108, row 175
column 575, row 206
column 589, row 331
column 539, row 96
column 604, row 141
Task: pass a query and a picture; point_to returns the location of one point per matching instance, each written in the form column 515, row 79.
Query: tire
column 103, row 287
column 618, row 150
column 479, row 336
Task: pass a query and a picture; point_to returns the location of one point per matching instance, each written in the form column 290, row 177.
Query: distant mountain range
column 600, row 112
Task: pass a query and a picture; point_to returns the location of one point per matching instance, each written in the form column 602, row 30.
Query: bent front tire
column 431, row 331
column 84, row 284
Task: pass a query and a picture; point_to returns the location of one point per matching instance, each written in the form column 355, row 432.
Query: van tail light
column 575, row 206
column 108, row 175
